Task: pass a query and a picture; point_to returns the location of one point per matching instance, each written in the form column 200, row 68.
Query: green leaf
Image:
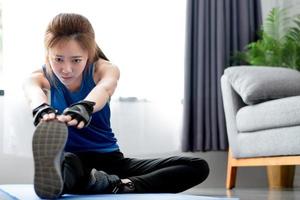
column 279, row 43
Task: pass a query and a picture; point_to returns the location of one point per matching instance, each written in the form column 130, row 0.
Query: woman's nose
column 67, row 69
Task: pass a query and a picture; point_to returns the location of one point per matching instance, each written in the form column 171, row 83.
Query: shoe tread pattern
column 48, row 143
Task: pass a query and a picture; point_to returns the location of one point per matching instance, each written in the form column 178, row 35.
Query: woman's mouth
column 66, row 77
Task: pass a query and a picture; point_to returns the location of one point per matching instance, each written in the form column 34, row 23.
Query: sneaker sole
column 48, row 143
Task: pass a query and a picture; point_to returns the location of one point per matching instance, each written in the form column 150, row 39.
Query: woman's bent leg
column 174, row 174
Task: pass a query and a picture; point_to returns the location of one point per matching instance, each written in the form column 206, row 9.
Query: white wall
column 147, row 128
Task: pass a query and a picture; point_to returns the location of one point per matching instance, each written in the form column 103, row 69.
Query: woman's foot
column 101, row 182
column 48, row 143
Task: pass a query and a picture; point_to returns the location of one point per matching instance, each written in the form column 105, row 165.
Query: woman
column 74, row 148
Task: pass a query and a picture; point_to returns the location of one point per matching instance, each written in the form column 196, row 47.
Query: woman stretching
column 74, row 148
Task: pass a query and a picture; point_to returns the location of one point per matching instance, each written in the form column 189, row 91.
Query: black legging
column 168, row 175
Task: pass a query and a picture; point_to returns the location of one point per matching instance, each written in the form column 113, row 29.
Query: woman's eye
column 77, row 60
column 58, row 60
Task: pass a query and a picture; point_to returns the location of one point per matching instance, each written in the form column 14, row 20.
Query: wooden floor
column 248, row 193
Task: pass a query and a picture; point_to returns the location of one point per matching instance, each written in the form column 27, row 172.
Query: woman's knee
column 198, row 168
column 201, row 169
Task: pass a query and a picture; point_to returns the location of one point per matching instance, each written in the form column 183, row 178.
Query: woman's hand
column 70, row 121
column 44, row 112
column 78, row 114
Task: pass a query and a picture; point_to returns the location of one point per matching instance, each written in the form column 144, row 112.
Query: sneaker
column 48, row 143
column 101, row 183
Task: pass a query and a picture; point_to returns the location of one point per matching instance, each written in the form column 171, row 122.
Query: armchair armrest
column 232, row 103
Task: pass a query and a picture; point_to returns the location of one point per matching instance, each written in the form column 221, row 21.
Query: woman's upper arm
column 107, row 75
column 36, row 79
column 35, row 88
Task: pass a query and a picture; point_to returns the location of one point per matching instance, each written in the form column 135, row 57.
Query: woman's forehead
column 68, row 48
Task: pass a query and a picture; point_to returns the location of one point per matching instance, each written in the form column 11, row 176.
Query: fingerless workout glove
column 81, row 111
column 40, row 111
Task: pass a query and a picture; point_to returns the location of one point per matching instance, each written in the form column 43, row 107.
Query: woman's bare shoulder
column 103, row 68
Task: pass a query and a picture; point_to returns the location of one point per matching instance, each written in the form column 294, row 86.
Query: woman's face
column 68, row 60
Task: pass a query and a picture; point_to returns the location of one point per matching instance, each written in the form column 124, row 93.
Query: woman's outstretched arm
column 106, row 77
column 34, row 88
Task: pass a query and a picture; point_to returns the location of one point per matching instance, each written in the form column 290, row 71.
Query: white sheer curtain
column 144, row 38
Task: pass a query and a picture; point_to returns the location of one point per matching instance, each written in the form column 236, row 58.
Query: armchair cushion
column 258, row 84
column 277, row 113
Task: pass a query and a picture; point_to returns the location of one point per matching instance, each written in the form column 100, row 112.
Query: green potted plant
column 279, row 44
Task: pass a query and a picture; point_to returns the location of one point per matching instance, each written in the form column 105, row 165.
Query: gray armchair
column 262, row 110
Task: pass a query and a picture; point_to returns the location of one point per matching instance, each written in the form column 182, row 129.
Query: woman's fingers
column 80, row 125
column 64, row 118
column 49, row 116
column 73, row 122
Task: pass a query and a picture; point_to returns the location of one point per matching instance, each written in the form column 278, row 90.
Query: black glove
column 81, row 111
column 40, row 111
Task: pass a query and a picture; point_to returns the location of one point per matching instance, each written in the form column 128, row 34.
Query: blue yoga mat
column 26, row 192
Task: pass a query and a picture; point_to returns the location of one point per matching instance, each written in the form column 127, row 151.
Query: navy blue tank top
column 98, row 135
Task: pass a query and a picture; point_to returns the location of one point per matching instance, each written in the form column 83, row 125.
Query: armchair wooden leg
column 231, row 177
column 281, row 176
column 231, row 173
